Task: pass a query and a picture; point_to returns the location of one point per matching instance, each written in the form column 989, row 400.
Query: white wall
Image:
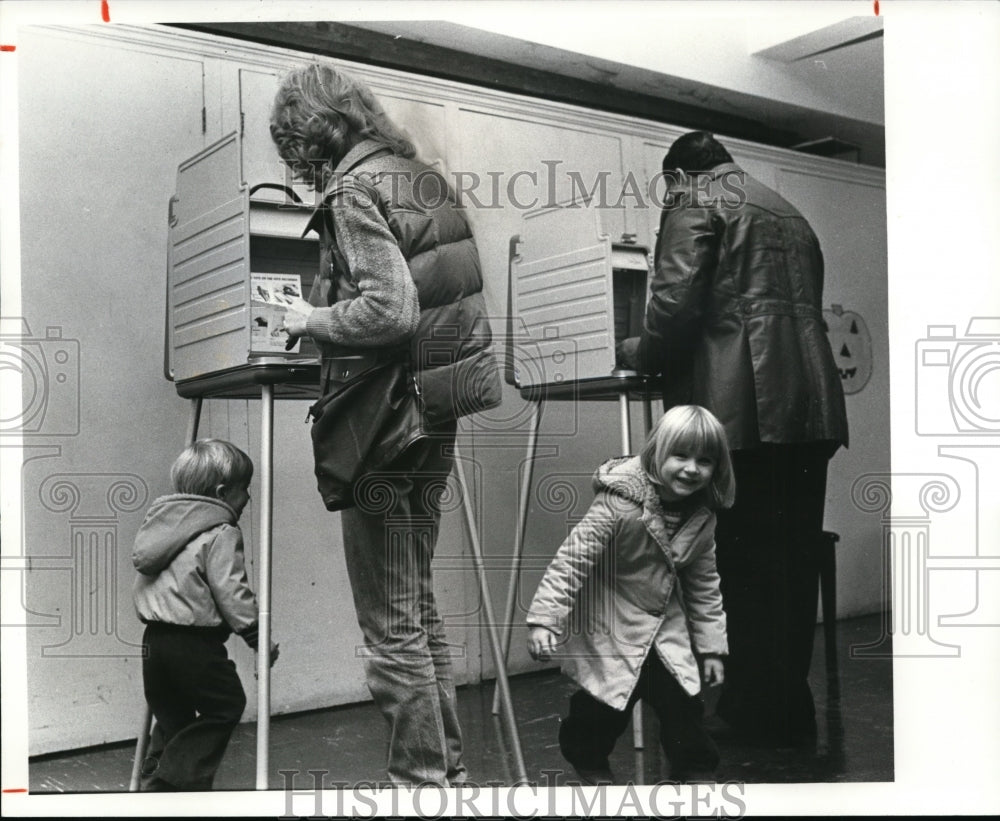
column 105, row 117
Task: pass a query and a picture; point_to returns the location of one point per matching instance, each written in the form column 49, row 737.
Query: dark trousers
column 197, row 699
column 588, row 735
column 766, row 550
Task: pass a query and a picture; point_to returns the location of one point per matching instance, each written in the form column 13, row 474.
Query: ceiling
column 819, row 87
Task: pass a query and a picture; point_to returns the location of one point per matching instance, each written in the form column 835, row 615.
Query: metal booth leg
column 142, row 739
column 503, row 685
column 522, row 522
column 626, row 430
column 264, row 584
column 647, row 412
column 141, row 745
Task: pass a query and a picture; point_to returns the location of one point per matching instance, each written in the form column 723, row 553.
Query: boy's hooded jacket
column 189, row 554
column 619, row 588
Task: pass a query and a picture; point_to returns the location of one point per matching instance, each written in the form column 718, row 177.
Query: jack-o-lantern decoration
column 852, row 347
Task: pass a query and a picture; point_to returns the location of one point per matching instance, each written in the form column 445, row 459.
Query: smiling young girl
column 631, row 601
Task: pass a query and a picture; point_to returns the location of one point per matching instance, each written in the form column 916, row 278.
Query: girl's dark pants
column 588, row 735
column 196, row 696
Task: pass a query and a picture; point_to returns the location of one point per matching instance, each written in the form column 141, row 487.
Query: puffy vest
column 451, row 351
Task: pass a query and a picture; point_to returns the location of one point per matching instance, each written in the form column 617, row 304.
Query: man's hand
column 627, row 354
column 541, row 643
column 712, row 671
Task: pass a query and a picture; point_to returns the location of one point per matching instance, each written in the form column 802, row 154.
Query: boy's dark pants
column 588, row 735
column 197, row 699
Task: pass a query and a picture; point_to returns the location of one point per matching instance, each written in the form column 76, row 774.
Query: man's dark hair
column 695, row 152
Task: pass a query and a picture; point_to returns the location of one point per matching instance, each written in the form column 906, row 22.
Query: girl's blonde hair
column 318, row 115
column 207, row 463
column 692, row 429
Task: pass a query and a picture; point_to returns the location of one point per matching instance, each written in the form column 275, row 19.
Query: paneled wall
column 106, row 115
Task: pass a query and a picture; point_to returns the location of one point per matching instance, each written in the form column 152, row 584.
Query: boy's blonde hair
column 692, row 429
column 317, row 113
column 207, row 463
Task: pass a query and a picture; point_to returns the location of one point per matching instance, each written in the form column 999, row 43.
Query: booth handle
column 277, row 186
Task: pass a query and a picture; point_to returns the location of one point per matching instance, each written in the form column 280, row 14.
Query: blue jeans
column 389, row 540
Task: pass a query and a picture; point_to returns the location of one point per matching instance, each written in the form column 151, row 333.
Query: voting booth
column 234, row 262
column 573, row 294
column 236, row 255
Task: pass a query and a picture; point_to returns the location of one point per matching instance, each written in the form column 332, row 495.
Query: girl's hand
column 296, row 316
column 712, row 671
column 541, row 643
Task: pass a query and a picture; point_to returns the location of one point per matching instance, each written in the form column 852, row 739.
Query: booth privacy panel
column 208, row 288
column 235, row 263
column 572, row 295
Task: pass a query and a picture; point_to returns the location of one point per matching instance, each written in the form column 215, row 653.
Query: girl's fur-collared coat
column 619, row 588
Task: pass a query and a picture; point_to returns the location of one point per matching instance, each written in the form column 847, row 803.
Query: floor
column 855, row 740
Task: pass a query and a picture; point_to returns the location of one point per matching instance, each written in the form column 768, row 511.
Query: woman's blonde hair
column 692, row 429
column 207, row 463
column 319, row 113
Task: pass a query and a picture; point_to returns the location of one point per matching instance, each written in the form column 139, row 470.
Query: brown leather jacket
column 734, row 321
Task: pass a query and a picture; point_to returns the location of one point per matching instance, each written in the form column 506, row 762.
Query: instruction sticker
column 270, row 296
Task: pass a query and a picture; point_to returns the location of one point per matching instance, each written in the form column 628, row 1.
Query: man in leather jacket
column 734, row 323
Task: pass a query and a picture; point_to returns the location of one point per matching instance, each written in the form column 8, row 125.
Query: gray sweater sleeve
column 386, row 310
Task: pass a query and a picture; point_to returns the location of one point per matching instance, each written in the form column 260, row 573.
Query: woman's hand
column 296, row 316
column 541, row 643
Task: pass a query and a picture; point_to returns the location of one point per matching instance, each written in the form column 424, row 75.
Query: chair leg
column 828, row 599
